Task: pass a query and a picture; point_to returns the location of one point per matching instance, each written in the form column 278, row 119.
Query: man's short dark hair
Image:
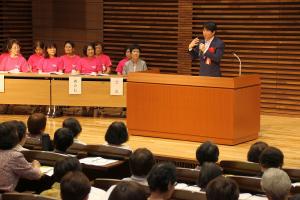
column 135, row 46
column 75, row 186
column 72, row 124
column 255, row 150
column 160, row 176
column 116, row 133
column 8, row 136
column 127, row 190
column 222, row 188
column 211, row 26
column 62, row 167
column 141, row 162
column 208, row 172
column 36, row 123
column 63, row 139
column 271, row 157
column 207, row 152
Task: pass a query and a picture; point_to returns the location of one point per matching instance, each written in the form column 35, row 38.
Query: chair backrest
column 107, row 151
column 77, row 149
column 24, row 196
column 105, row 183
column 188, row 195
column 294, row 174
column 240, row 168
column 248, row 184
column 44, row 157
column 187, row 175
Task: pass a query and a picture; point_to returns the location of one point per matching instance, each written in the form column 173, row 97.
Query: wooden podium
column 194, row 108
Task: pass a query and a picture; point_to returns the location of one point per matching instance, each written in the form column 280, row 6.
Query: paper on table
column 116, row 86
column 47, row 170
column 97, row 161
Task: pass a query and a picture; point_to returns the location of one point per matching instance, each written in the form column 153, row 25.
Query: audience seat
column 294, row 174
column 188, row 195
column 187, row 175
column 24, row 196
column 248, row 184
column 107, row 152
column 240, row 168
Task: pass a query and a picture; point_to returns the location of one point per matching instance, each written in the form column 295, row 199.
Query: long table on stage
column 49, row 89
column 224, row 110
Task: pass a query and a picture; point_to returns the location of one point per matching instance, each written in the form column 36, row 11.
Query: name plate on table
column 116, row 86
column 1, row 83
column 74, row 85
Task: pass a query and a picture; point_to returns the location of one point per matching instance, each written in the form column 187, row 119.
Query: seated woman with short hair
column 13, row 165
column 63, row 139
column 116, row 135
column 74, row 125
column 207, row 152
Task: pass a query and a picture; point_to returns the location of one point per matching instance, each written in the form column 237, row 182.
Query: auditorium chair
column 187, row 175
column 24, row 196
column 188, row 195
column 105, row 183
column 294, row 174
column 240, row 168
column 248, row 184
column 107, row 152
column 46, row 158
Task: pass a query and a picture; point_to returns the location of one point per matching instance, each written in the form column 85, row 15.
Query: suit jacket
column 210, row 60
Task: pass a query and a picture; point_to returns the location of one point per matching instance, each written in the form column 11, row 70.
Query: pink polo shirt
column 70, row 63
column 88, row 65
column 50, row 64
column 121, row 65
column 33, row 61
column 105, row 60
column 3, row 55
column 9, row 63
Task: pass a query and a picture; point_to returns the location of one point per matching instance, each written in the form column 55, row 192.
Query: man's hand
column 194, row 43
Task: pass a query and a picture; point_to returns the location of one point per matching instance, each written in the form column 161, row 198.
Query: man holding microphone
column 209, row 51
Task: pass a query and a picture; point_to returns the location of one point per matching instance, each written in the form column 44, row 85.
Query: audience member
column 208, row 172
column 116, row 135
column 162, row 181
column 135, row 64
column 74, row 125
column 276, row 184
column 36, row 124
column 63, row 139
column 61, row 168
column 21, row 131
column 75, row 186
column 207, row 152
column 271, row 157
column 13, row 165
column 255, row 150
column 141, row 162
column 222, row 188
column 127, row 190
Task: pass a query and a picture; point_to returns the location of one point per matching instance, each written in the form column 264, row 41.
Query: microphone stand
column 240, row 70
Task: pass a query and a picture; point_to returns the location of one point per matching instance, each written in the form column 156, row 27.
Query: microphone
column 240, row 70
column 200, row 51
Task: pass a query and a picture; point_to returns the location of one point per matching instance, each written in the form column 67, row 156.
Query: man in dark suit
column 209, row 51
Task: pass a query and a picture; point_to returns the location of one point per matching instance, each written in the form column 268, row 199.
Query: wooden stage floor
column 281, row 132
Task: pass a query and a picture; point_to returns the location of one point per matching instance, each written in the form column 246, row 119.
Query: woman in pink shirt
column 34, row 59
column 70, row 60
column 122, row 62
column 13, row 61
column 50, row 62
column 89, row 64
column 104, row 59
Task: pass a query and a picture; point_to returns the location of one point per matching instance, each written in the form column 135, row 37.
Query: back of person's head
column 75, row 186
column 161, row 176
column 222, row 188
column 271, row 157
column 141, row 162
column 8, row 136
column 255, row 150
column 20, row 127
column 276, row 184
column 207, row 152
column 116, row 133
column 62, row 167
column 128, row 190
column 63, row 139
column 208, row 172
column 211, row 26
column 36, row 123
column 72, row 124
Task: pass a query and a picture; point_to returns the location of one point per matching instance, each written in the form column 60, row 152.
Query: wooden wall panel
column 16, row 22
column 152, row 24
column 266, row 36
